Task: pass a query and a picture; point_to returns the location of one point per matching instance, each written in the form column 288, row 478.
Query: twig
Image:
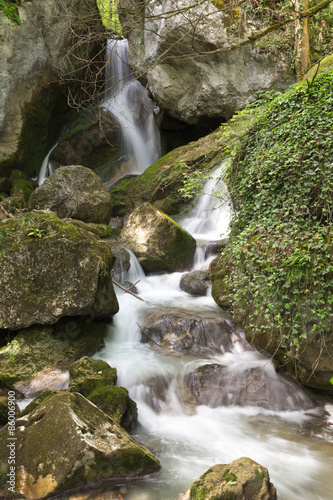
column 148, row 335
column 127, row 290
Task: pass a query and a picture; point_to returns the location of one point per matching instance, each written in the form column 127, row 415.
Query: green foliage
column 279, row 264
column 10, row 9
column 109, row 14
column 36, row 233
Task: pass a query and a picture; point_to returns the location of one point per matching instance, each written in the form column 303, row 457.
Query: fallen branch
column 127, row 290
column 148, row 335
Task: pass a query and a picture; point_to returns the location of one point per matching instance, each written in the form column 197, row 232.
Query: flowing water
column 128, row 101
column 295, row 443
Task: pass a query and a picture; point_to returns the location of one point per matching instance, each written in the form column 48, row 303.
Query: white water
column 128, row 101
column 295, row 446
column 46, row 168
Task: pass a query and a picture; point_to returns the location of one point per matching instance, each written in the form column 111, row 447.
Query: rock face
column 66, row 442
column 191, row 333
column 189, row 69
column 96, row 380
column 241, row 479
column 32, row 54
column 49, row 269
column 158, row 242
column 39, row 356
column 76, row 192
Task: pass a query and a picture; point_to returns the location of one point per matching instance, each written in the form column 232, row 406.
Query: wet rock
column 122, row 263
column 159, row 243
column 241, row 479
column 215, row 385
column 199, row 332
column 38, row 357
column 196, row 283
column 74, row 191
column 50, row 269
column 214, row 247
column 96, row 380
column 67, row 442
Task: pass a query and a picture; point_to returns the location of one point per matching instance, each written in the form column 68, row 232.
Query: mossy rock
column 96, row 380
column 3, row 410
column 50, row 269
column 159, row 243
column 87, row 374
column 22, row 188
column 325, row 64
column 36, row 349
column 68, row 442
column 100, row 230
column 243, row 478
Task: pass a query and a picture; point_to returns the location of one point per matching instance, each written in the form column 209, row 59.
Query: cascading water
column 129, row 103
column 190, row 434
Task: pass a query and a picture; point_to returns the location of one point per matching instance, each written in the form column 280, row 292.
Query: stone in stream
column 96, row 380
column 37, row 358
column 74, row 191
column 50, row 269
column 242, row 479
column 215, row 385
column 201, row 332
column 195, row 283
column 66, row 442
column 159, row 243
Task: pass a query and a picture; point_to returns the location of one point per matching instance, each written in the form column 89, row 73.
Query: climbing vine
column 278, row 267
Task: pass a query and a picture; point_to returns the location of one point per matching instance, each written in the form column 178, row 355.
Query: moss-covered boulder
column 159, row 243
column 96, row 380
column 241, row 479
column 50, row 269
column 325, row 64
column 37, row 357
column 76, row 192
column 67, row 442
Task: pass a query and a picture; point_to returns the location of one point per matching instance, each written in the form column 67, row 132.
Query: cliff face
column 182, row 47
column 33, row 54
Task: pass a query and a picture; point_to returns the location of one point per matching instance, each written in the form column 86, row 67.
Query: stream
column 294, row 444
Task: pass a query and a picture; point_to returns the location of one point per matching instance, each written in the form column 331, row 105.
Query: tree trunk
column 302, row 44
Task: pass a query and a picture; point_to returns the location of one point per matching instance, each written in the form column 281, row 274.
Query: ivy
column 10, row 9
column 279, row 263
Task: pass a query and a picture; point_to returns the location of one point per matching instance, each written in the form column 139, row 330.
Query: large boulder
column 38, row 357
column 96, row 380
column 198, row 332
column 159, row 243
column 242, row 479
column 50, row 269
column 76, row 192
column 186, row 57
column 33, row 54
column 66, row 442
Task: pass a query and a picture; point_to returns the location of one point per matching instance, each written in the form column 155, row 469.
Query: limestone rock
column 32, row 56
column 38, row 357
column 76, row 192
column 159, row 243
column 196, row 333
column 193, row 87
column 49, row 269
column 243, row 478
column 67, row 442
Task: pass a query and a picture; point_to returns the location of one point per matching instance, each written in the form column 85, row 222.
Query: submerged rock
column 66, row 442
column 96, row 380
column 39, row 356
column 215, row 385
column 195, row 283
column 242, row 479
column 74, row 191
column 50, row 269
column 159, row 243
column 198, row 332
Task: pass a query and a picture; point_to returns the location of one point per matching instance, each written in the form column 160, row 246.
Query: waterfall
column 223, row 425
column 128, row 101
column 46, row 168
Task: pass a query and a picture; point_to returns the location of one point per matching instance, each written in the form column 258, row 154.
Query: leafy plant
column 10, row 9
column 36, row 232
